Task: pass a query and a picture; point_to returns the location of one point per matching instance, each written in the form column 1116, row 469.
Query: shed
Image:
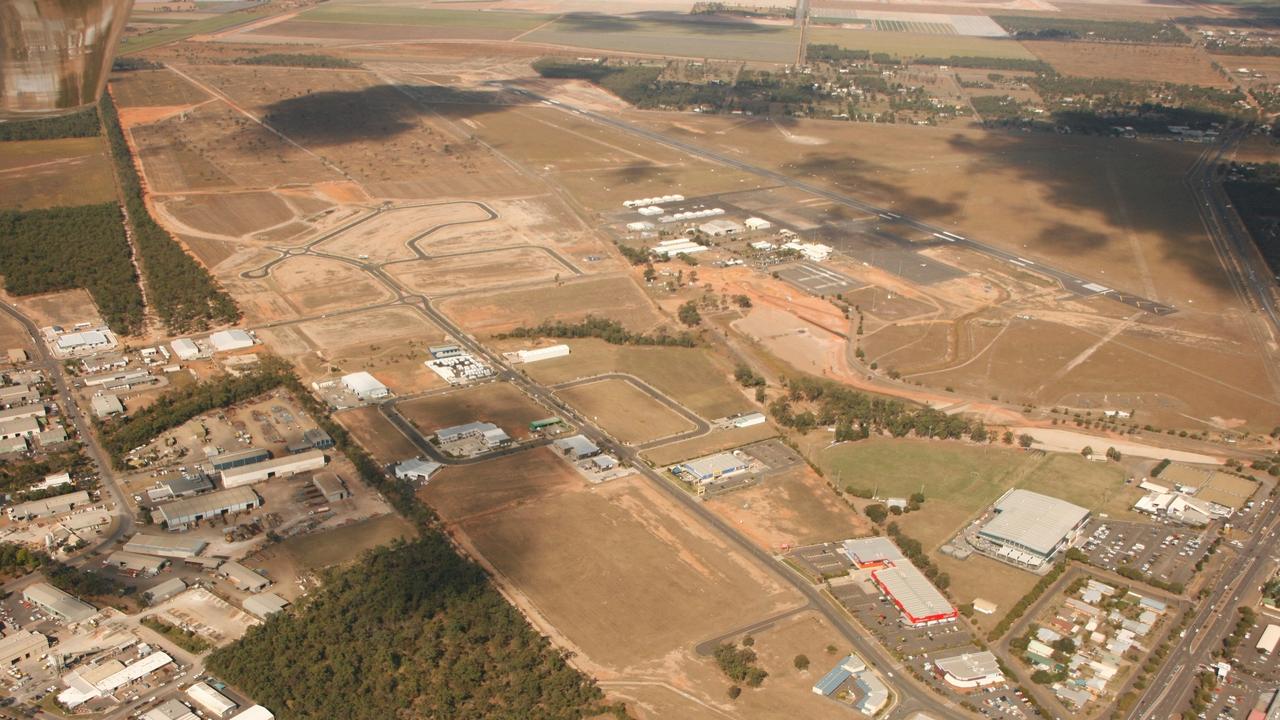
column 243, row 577
column 185, row 349
column 228, row 340
column 165, row 590
column 264, row 605
column 365, row 386
column 213, row 702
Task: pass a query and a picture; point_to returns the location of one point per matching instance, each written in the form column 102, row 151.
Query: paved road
column 53, row 370
column 1072, row 283
column 1171, row 687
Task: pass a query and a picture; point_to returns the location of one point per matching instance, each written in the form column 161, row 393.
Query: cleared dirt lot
column 497, row 402
column 592, row 564
column 790, row 509
column 345, row 544
column 712, row 442
column 231, row 214
column 616, row 298
column 625, row 411
column 377, row 435
column 479, row 271
column 385, row 237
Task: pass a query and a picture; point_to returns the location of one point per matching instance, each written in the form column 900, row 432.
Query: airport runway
column 1076, row 285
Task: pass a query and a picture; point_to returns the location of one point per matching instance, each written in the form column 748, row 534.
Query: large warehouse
column 279, row 467
column 919, row 601
column 365, row 386
column 873, row 552
column 186, row 511
column 170, row 546
column 1031, row 528
column 56, row 602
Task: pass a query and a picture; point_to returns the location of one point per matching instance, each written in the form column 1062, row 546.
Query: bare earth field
column 51, row 173
column 231, row 214
column 303, row 287
column 66, row 308
column 616, row 298
column 624, row 411
column 385, row 237
column 1154, row 63
column 377, row 435
column 591, row 564
column 344, row 544
column 497, row 402
column 479, row 271
column 790, row 509
column 713, row 442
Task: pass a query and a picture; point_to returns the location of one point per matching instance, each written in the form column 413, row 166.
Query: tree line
column 64, row 248
column 1025, row 27
column 611, row 331
column 857, row 415
column 302, row 60
column 81, row 124
column 182, row 292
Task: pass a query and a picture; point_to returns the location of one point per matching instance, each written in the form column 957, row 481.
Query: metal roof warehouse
column 917, row 598
column 1034, row 523
column 194, row 509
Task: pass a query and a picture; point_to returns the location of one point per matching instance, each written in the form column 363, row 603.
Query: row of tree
column 63, row 248
column 76, row 125
column 181, row 291
column 857, row 415
column 611, row 331
column 302, row 60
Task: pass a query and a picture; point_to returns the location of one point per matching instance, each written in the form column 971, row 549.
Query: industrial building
column 23, row 428
column 21, row 646
column 755, row 223
column 577, row 447
column 1182, row 508
column 213, row 702
column 712, row 467
column 185, row 349
column 264, row 605
column 228, row 340
column 239, row 458
column 257, row 712
column 872, row 552
column 165, row 590
column 749, row 420
column 184, row 512
column 49, row 507
column 330, row 486
column 52, row 436
column 8, row 446
column 21, row 412
column 970, row 670
column 546, row 353
column 55, row 602
column 852, row 679
column 545, row 423
column 1030, row 528
column 103, row 363
column 170, row 546
column 278, row 467
column 243, row 577
column 1267, row 643
column 18, row 395
column 86, row 683
column 85, row 340
column 318, row 439
column 417, row 469
column 674, row 248
column 365, row 386
column 106, row 406
column 181, row 486
column 439, row 352
column 916, row 598
column 720, row 227
column 136, row 563
column 490, row 434
column 170, row 710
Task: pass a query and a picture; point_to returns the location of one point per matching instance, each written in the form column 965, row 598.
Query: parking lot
column 1165, row 552
column 774, row 455
column 817, row 280
column 819, row 561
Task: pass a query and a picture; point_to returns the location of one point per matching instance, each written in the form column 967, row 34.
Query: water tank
column 56, row 54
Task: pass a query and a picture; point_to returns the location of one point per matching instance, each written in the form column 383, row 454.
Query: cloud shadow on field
column 859, row 178
column 586, row 22
column 636, row 172
column 1130, row 184
column 337, row 117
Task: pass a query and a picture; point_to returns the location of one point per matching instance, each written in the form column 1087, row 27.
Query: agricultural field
column 185, row 27
column 616, row 298
column 625, row 411
column 699, row 380
column 497, row 402
column 908, row 44
column 230, row 214
column 590, row 564
column 355, row 21
column 674, row 36
column 1153, row 63
column 38, row 174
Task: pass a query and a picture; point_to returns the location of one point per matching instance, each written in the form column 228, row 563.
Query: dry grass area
column 790, row 509
column 617, row 298
column 345, row 544
column 154, row 88
column 52, row 173
column 1121, row 61
column 624, row 411
column 385, row 237
column 64, row 308
column 377, row 435
column 479, row 271
column 982, row 577
column 231, row 214
column 497, row 402
column 13, row 336
column 306, row 286
column 592, row 564
column 698, row 379
column 713, row 442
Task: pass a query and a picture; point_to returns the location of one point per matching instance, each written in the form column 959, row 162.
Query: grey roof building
column 55, row 602
column 577, row 447
column 1033, row 523
column 181, row 513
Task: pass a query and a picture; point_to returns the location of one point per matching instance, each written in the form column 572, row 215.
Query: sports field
column 674, row 36
column 624, row 411
column 52, row 173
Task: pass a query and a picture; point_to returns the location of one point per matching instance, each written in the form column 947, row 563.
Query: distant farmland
column 675, row 37
column 904, row 44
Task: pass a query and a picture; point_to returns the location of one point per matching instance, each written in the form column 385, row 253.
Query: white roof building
column 720, row 227
column 85, row 340
column 755, row 223
column 417, row 469
column 48, row 507
column 875, row 551
column 106, row 405
column 185, row 349
column 276, row 467
column 546, row 353
column 365, row 386
column 56, row 602
column 227, row 340
column 264, row 605
column 1270, row 636
column 970, row 670
column 85, row 684
column 257, row 712
column 213, row 702
column 1032, row 523
column 171, row 710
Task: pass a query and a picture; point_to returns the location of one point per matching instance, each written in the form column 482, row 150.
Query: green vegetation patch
column 1047, row 28
column 76, row 125
column 611, row 331
column 989, row 63
column 185, row 30
column 301, row 60
column 413, row 631
column 404, row 15
column 73, row 247
column 188, row 640
column 180, row 290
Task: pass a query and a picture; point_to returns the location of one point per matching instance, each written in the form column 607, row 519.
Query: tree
column 876, row 513
column 1025, row 441
column 688, row 314
column 1113, row 454
column 1042, row 677
column 742, row 301
column 801, row 662
column 1086, row 451
column 734, row 692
